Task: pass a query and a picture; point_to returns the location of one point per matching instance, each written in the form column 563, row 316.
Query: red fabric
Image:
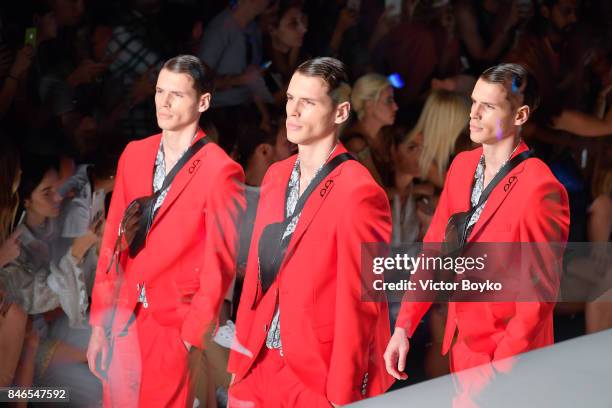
column 534, row 208
column 149, row 367
column 188, row 261
column 272, row 384
column 330, row 338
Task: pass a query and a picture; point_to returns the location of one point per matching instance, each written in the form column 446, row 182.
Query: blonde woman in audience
column 442, row 122
column 373, row 101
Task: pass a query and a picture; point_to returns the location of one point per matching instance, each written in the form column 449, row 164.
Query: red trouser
column 149, row 367
column 471, row 372
column 272, row 384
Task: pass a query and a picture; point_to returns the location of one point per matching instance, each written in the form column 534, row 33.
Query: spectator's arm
column 468, row 32
column 583, row 124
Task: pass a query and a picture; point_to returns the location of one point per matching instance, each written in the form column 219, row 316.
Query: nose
column 57, row 199
column 166, row 99
column 292, row 108
column 475, row 111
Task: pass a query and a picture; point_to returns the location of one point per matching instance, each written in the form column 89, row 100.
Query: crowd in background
column 77, row 80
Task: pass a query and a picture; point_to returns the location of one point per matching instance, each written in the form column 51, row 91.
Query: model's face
column 292, row 27
column 45, row 201
column 385, row 108
column 177, row 103
column 491, row 116
column 311, row 114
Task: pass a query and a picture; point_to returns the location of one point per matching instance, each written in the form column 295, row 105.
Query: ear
column 343, row 111
column 27, row 203
column 264, row 149
column 522, row 114
column 204, row 102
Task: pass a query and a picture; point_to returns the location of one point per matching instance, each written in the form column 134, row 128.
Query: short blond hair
column 367, row 88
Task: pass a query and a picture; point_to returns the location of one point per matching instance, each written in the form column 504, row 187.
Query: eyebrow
column 169, row 90
column 306, row 99
column 485, row 102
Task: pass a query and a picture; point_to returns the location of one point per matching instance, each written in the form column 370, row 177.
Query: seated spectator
column 133, row 60
column 232, row 48
column 256, row 151
column 441, row 124
column 373, row 101
column 598, row 314
column 487, row 29
column 424, row 154
column 549, row 48
column 49, row 283
column 420, row 47
column 12, row 317
column 283, row 45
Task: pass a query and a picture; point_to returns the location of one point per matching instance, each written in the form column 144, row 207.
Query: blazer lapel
column 181, row 180
column 145, row 172
column 499, row 194
column 314, row 203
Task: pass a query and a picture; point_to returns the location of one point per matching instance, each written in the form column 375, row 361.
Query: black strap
column 193, row 149
column 503, row 172
column 328, row 168
column 281, row 244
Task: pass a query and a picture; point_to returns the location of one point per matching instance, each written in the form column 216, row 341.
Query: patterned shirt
column 479, row 188
column 273, row 340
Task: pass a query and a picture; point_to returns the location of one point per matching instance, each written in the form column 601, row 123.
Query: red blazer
column 188, row 260
column 331, row 339
column 528, row 205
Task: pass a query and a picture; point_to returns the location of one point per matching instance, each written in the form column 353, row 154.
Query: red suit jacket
column 330, row 337
column 528, row 205
column 188, row 260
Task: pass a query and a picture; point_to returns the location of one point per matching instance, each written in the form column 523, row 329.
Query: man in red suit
column 528, row 205
column 162, row 301
column 304, row 337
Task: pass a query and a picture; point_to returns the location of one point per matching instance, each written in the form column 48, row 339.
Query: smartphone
column 266, row 65
column 97, row 206
column 396, row 80
column 396, row 7
column 30, row 36
column 353, row 5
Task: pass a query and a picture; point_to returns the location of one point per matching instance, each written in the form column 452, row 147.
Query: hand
column 86, row 72
column 251, row 74
column 603, row 94
column 10, row 249
column 81, row 244
column 513, row 16
column 346, row 20
column 98, row 346
column 395, row 354
column 23, row 60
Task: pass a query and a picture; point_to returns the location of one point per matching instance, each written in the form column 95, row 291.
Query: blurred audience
column 372, row 99
column 77, row 80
